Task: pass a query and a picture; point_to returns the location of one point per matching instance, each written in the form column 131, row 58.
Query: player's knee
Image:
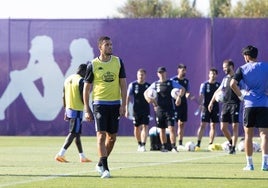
column 101, row 137
column 112, row 138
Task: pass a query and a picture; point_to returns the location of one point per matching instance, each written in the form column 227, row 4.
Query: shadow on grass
column 135, row 177
column 47, row 176
column 190, row 178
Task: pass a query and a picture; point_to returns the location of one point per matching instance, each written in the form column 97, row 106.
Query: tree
column 220, row 8
column 251, row 9
column 157, row 9
column 242, row 9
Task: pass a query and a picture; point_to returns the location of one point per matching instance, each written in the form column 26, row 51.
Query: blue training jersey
column 255, row 78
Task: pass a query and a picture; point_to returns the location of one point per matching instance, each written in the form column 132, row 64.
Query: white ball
column 241, row 146
column 151, row 93
column 189, row 146
column 219, row 96
column 225, row 146
column 256, row 147
column 153, row 131
column 174, row 93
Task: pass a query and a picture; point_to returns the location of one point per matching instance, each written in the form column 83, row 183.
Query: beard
column 108, row 53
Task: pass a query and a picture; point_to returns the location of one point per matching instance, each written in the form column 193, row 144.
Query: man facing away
column 73, row 104
column 106, row 77
column 254, row 74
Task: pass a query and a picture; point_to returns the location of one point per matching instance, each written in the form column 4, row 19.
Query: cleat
column 99, row 169
column 85, row 160
column 248, row 168
column 142, row 149
column 61, row 159
column 106, row 174
column 232, row 152
column 197, row 148
column 164, row 150
column 264, row 167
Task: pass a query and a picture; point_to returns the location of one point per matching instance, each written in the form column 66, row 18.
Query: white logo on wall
column 42, row 66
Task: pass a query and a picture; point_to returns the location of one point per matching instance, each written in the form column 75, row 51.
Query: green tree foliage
column 220, row 8
column 187, row 9
column 158, row 9
column 251, row 9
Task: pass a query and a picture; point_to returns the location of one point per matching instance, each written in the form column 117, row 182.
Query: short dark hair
column 142, row 70
column 81, row 70
column 181, row 66
column 102, row 38
column 251, row 51
column 214, row 70
column 161, row 69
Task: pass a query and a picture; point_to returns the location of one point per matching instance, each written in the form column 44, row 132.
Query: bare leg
column 172, row 134
column 109, row 143
column 180, row 130
column 137, row 133
column 200, row 132
column 144, row 133
column 212, row 132
column 225, row 130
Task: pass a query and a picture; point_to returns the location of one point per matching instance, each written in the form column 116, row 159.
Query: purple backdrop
column 148, row 43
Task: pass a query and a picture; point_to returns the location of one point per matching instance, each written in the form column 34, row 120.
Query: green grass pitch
column 29, row 162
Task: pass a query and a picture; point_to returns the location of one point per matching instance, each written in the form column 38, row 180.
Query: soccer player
column 164, row 107
column 73, row 104
column 106, row 77
column 141, row 109
column 181, row 111
column 230, row 106
column 254, row 74
column 206, row 92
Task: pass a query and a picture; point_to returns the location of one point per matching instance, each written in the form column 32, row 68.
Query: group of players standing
column 168, row 111
column 105, row 77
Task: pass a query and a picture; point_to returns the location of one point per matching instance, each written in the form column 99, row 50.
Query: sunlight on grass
column 29, row 162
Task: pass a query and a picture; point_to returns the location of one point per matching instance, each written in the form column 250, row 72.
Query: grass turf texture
column 29, row 162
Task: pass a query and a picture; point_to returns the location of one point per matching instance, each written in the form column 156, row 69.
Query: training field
column 29, row 162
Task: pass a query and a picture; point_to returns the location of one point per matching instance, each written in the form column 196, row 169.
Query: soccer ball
column 219, row 96
column 256, row 147
column 151, row 93
column 174, row 93
column 225, row 146
column 241, row 146
column 189, row 146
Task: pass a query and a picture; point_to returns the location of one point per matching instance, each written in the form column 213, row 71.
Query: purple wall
column 26, row 103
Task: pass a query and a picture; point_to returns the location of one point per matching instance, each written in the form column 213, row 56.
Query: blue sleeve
column 130, row 89
column 176, row 85
column 202, row 89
